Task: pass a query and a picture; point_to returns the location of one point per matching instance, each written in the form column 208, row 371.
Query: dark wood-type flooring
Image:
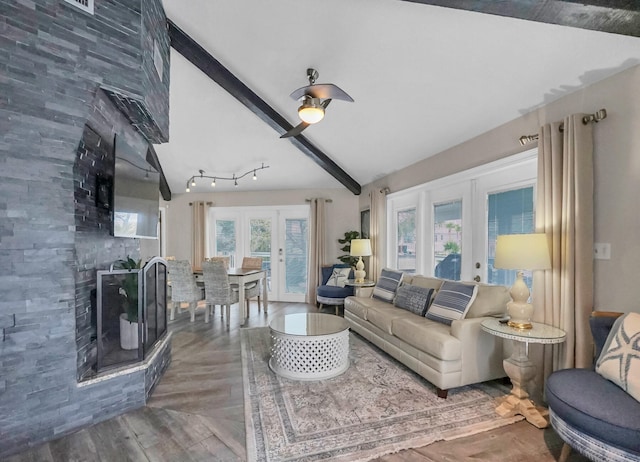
column 196, row 412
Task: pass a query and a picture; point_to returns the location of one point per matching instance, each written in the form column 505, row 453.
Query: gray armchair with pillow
column 432, row 326
column 597, row 411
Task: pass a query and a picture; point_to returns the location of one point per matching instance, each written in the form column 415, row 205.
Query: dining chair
column 252, row 289
column 225, row 260
column 183, row 287
column 217, row 289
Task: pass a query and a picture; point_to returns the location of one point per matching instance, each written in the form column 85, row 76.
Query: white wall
column 342, row 214
column 617, row 175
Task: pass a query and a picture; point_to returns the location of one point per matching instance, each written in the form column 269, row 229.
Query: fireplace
column 131, row 313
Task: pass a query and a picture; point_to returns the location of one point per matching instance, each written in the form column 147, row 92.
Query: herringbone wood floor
column 196, row 412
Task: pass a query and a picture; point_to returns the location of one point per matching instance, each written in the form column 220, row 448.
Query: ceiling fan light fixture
column 311, row 111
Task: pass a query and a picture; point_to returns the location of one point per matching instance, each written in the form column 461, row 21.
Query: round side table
column 521, row 369
column 358, row 285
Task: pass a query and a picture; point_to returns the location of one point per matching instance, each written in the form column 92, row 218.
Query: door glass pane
column 226, row 240
column 447, row 239
column 295, row 255
column 509, row 212
column 407, row 240
column 261, row 243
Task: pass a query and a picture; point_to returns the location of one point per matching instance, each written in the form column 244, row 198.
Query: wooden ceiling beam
column 613, row 16
column 204, row 61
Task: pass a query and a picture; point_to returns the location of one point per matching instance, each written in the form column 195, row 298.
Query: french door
column 278, row 235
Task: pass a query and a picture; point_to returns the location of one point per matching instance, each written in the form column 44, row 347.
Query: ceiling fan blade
column 322, row 91
column 325, row 103
column 295, row 131
column 328, row 90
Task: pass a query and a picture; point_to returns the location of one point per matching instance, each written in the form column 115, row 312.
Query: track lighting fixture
column 191, row 182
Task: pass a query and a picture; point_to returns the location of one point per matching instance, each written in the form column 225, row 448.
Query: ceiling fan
column 315, row 99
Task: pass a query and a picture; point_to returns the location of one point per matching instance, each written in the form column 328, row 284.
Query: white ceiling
column 423, row 78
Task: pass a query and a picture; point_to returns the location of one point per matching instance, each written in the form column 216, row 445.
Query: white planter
column 128, row 333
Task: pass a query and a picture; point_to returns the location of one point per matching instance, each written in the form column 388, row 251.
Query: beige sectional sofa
column 447, row 356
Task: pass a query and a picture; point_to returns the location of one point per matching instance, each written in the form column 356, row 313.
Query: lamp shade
column 360, row 247
column 522, row 252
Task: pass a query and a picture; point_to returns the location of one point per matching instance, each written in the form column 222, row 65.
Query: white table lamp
column 521, row 252
column 360, row 248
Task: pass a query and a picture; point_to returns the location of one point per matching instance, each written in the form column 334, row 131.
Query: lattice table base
column 308, row 357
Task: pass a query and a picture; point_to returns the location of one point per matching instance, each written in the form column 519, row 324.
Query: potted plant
column 347, row 258
column 129, row 292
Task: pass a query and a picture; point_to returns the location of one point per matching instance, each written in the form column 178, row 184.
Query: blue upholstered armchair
column 591, row 414
column 333, row 291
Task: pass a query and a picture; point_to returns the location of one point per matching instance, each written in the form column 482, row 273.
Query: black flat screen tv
column 136, row 193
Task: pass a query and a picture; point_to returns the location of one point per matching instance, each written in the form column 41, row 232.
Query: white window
column 455, row 220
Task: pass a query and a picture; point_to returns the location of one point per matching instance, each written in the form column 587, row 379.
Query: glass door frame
column 242, row 215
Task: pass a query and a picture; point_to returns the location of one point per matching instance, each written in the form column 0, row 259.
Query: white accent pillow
column 620, row 357
column 338, row 277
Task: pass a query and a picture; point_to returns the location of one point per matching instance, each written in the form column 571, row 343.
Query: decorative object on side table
column 520, row 368
column 521, row 252
column 360, row 248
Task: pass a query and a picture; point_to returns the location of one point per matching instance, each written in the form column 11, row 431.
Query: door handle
column 477, row 279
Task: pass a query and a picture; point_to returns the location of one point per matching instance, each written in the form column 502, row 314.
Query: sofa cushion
column 452, row 302
column 423, row 281
column 619, row 360
column 360, row 305
column 490, row 301
column 412, row 298
column 387, row 285
column 383, row 316
column 595, row 406
column 432, row 337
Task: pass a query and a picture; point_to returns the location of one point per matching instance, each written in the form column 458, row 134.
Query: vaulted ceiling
column 423, row 77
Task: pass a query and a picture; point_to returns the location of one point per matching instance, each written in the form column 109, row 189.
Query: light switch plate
column 602, row 251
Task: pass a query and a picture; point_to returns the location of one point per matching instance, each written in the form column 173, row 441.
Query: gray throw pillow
column 413, row 298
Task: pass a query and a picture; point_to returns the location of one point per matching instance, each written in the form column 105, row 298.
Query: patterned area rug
column 377, row 407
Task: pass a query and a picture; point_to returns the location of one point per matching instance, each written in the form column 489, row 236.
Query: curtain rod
column 595, row 117
column 208, row 203
column 326, row 200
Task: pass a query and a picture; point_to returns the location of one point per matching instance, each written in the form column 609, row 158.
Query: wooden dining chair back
column 218, row 290
column 252, row 289
column 184, row 289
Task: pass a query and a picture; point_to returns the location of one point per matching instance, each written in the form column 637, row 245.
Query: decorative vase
column 128, row 333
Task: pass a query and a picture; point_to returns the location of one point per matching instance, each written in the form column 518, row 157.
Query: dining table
column 242, row 276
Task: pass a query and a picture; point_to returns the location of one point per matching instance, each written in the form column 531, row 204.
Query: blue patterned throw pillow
column 620, row 357
column 387, row 285
column 413, row 298
column 452, row 302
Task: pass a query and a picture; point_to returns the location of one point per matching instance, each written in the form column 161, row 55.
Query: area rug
column 377, row 407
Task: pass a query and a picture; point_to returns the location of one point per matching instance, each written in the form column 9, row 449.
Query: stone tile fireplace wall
column 54, row 59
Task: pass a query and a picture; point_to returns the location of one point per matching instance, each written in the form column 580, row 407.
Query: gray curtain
column 317, row 237
column 563, row 295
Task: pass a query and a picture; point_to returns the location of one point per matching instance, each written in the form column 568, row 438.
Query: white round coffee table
column 309, row 346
